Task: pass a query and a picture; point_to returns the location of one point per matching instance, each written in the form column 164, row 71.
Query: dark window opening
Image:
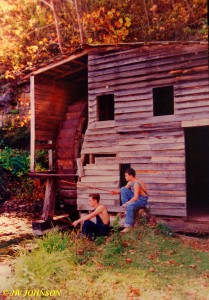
column 123, row 168
column 123, row 182
column 106, row 107
column 163, row 101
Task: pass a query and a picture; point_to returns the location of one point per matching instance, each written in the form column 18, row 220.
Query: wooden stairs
column 100, row 177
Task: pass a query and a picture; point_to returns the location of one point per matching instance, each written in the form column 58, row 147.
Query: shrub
column 17, row 138
column 53, row 241
column 14, row 167
column 14, row 160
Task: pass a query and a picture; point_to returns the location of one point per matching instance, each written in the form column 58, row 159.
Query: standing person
column 101, row 227
column 133, row 196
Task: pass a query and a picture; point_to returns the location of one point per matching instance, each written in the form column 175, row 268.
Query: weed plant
column 141, row 264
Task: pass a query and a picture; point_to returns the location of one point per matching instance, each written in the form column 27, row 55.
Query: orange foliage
column 30, row 33
column 106, row 26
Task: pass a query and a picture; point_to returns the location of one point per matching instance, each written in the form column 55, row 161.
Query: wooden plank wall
column 154, row 145
column 101, row 177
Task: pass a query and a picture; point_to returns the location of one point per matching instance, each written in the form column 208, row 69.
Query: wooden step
column 102, row 201
column 99, row 172
column 95, row 179
column 105, row 185
column 101, row 167
column 111, row 208
column 105, row 160
column 107, row 196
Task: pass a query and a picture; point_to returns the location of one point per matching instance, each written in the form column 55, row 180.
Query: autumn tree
column 33, row 31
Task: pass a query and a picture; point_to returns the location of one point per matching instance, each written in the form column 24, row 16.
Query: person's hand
column 126, row 204
column 75, row 223
column 115, row 192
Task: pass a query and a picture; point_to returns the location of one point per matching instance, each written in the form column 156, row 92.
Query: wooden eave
column 87, row 49
column 64, row 67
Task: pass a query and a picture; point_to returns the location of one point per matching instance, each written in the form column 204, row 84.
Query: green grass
column 145, row 263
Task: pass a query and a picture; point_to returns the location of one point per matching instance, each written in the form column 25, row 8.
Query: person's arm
column 114, row 192
column 89, row 216
column 128, row 185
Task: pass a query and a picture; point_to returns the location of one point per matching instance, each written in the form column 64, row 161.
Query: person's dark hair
column 131, row 171
column 95, row 196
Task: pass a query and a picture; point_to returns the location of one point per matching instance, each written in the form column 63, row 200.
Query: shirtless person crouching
column 101, row 227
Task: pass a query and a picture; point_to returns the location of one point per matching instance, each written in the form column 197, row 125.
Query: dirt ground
column 201, row 244
column 13, row 230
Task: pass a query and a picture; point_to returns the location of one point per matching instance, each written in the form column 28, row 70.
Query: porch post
column 50, row 155
column 32, row 124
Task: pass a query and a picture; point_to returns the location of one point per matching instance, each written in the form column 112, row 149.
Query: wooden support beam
column 91, row 158
column 49, row 200
column 80, row 167
column 70, row 72
column 50, row 153
column 61, row 62
column 51, row 175
column 32, row 124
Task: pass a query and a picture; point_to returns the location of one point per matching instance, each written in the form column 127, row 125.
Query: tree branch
column 45, row 2
column 48, row 25
column 79, row 19
column 51, row 5
column 146, row 12
column 57, row 27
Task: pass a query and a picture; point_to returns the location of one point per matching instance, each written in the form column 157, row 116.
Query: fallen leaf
column 134, row 291
column 152, row 256
column 172, row 262
column 193, row 266
column 125, row 244
column 152, row 269
column 128, row 260
column 170, row 287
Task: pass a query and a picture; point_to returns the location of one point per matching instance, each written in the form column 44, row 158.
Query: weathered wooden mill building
column 139, row 105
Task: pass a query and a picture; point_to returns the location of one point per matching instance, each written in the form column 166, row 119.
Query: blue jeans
column 126, row 195
column 92, row 230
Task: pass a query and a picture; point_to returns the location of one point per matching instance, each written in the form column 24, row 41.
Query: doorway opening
column 123, row 182
column 197, row 170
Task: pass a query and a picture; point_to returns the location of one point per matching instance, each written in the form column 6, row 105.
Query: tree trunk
column 79, row 22
column 57, row 26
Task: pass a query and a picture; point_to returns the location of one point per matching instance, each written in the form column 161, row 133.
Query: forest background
column 33, row 32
